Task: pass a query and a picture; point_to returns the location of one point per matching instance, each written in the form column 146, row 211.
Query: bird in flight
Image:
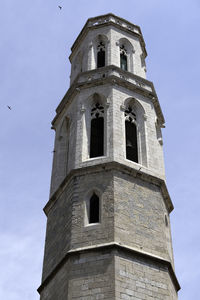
column 60, row 6
column 9, row 107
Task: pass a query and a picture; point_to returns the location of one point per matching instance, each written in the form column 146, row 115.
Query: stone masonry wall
column 140, row 215
column 111, row 275
column 138, row 279
column 83, row 234
column 132, row 212
column 67, row 226
column 86, row 276
column 58, row 231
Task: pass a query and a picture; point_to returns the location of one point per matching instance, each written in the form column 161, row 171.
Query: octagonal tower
column 108, row 228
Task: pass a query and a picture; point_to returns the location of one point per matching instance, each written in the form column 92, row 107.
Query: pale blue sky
column 35, row 41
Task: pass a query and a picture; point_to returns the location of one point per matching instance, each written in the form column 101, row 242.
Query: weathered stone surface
column 142, row 279
column 109, row 274
column 83, row 276
column 128, row 253
column 132, row 214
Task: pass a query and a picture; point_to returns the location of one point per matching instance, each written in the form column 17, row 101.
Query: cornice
column 112, row 165
column 119, row 249
column 115, row 76
column 107, row 20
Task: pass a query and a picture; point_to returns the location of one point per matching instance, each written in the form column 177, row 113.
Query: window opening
column 166, row 221
column 100, row 55
column 97, row 131
column 94, row 209
column 123, row 58
column 131, row 135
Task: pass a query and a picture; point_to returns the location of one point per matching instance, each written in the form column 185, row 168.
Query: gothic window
column 131, row 135
column 94, row 209
column 123, row 58
column 97, row 131
column 100, row 55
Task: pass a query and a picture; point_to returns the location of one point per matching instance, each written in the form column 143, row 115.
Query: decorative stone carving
column 130, row 114
column 82, row 110
column 123, row 77
column 139, row 83
column 101, row 46
column 123, row 50
column 97, row 111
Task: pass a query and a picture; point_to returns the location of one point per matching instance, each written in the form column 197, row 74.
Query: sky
column 35, row 41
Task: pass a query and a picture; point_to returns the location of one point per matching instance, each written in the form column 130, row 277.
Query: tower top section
column 106, row 41
column 107, row 20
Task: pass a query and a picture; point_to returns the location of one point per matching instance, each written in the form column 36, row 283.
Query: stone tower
column 108, row 228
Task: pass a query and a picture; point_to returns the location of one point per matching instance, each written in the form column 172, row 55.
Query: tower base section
column 110, row 272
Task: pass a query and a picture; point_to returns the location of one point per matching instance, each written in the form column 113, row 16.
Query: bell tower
column 108, row 227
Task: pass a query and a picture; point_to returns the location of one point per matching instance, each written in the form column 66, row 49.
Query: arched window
column 123, row 58
column 126, row 58
column 97, row 130
column 94, row 209
column 101, row 55
column 131, row 135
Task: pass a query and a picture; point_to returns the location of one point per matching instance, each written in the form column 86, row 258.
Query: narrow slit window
column 166, row 221
column 123, row 62
column 123, row 58
column 131, row 142
column 100, row 55
column 97, row 131
column 131, row 135
column 94, row 209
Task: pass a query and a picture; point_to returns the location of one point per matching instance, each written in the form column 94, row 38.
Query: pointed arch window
column 94, row 209
column 97, row 131
column 101, row 55
column 123, row 58
column 131, row 134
